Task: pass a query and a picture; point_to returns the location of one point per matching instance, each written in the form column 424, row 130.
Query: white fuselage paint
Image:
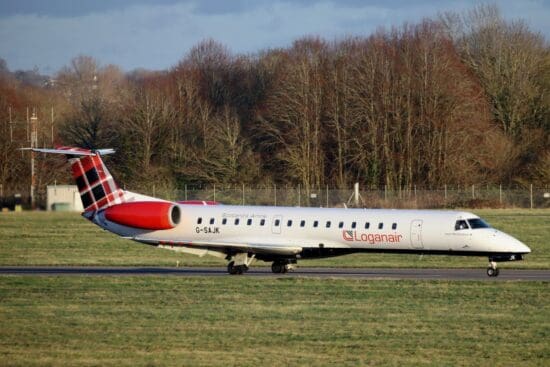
column 422, row 231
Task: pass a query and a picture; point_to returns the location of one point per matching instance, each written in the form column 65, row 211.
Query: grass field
column 40, row 238
column 238, row 321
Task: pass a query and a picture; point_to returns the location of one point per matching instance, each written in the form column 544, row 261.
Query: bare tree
column 293, row 121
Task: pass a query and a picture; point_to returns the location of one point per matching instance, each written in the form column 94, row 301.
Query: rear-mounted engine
column 153, row 215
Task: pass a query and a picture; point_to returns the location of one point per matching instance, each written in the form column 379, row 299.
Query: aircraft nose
column 518, row 246
column 522, row 248
column 511, row 244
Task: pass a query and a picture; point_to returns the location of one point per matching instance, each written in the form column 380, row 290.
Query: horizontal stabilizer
column 72, row 151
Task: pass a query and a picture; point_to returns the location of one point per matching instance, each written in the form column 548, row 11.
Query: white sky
column 157, row 34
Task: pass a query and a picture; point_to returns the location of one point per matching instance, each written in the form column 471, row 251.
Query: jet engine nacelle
column 153, row 215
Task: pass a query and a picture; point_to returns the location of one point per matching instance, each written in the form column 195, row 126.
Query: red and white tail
column 97, row 188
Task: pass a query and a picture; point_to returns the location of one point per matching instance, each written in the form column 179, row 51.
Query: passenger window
column 328, row 224
column 224, row 221
column 236, row 221
column 367, row 225
column 277, row 222
column 212, row 220
column 461, row 224
column 289, row 223
column 341, row 225
column 315, row 224
column 394, row 226
column 380, row 225
column 249, row 222
column 199, row 220
column 303, row 223
column 262, row 222
column 353, row 225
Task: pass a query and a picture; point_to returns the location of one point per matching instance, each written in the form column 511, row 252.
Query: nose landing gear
column 492, row 269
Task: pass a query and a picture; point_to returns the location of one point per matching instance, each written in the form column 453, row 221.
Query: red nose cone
column 155, row 215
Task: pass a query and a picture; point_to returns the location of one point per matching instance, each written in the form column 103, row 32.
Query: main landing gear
column 236, row 269
column 492, row 269
column 281, row 267
column 239, row 263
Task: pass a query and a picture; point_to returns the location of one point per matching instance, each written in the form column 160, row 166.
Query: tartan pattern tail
column 97, row 188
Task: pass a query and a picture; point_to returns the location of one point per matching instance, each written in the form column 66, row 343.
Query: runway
column 361, row 273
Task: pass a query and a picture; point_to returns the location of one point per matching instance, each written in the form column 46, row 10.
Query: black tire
column 492, row 272
column 231, row 269
column 497, row 272
column 277, row 268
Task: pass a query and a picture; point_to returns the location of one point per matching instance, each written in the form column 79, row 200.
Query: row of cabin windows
column 277, row 223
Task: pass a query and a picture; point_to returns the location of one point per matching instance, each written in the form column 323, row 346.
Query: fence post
column 500, row 194
column 531, row 195
column 445, row 193
column 299, row 195
column 214, row 192
column 243, row 194
column 327, row 196
column 275, row 194
column 473, row 192
column 385, row 192
column 185, row 191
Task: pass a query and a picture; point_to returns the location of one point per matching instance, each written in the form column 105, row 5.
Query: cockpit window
column 476, row 223
column 461, row 224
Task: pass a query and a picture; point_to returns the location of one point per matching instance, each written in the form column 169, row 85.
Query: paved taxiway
column 362, row 273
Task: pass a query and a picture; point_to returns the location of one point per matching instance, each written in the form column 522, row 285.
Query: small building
column 64, row 198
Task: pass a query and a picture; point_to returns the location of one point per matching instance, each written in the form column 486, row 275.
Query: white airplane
column 281, row 235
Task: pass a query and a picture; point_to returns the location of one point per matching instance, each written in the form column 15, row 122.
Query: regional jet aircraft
column 280, row 235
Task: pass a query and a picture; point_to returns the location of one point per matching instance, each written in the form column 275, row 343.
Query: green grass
column 146, row 321
column 40, row 238
column 196, row 321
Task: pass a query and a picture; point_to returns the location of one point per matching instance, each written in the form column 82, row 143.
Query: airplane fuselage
column 320, row 232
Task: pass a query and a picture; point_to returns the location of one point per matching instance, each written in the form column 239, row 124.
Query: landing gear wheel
column 492, row 270
column 236, row 269
column 278, row 268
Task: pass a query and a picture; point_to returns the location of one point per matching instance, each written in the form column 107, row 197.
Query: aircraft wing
column 226, row 246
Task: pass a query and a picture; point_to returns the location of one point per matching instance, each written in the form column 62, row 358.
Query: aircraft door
column 416, row 234
column 276, row 224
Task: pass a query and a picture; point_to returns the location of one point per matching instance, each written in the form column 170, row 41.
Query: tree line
column 459, row 99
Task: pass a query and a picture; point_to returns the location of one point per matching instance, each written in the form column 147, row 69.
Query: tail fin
column 97, row 188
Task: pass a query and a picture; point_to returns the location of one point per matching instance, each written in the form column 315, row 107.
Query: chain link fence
column 413, row 198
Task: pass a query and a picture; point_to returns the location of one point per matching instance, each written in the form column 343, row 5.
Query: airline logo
column 371, row 238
